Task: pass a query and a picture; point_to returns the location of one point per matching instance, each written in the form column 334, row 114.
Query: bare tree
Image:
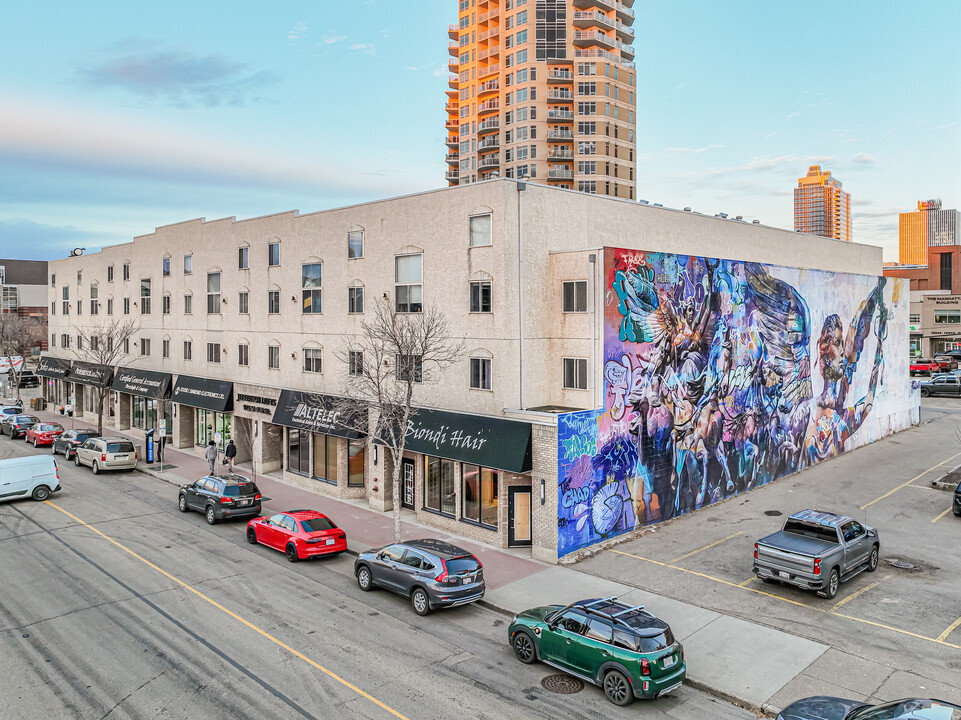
column 18, row 336
column 394, row 353
column 104, row 344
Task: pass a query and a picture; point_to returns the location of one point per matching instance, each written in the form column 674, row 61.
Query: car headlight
column 513, row 620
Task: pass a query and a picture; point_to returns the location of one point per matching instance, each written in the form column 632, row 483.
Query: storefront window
column 212, row 426
column 138, row 411
column 439, row 485
column 355, row 463
column 145, row 413
column 298, row 453
column 325, row 458
column 479, row 490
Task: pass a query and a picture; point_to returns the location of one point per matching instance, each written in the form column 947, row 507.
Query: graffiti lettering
column 576, row 495
column 578, row 445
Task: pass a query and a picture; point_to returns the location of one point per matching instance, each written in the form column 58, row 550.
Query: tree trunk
column 398, row 462
column 101, row 395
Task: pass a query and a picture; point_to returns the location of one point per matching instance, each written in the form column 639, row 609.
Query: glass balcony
column 453, row 158
column 560, row 75
column 584, row 38
column 492, row 106
column 489, row 70
column 489, row 162
column 560, row 174
column 561, row 153
column 559, row 135
column 489, row 143
column 489, row 125
column 559, row 95
column 556, row 115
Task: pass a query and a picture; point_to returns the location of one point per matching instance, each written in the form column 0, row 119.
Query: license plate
column 784, row 575
column 328, row 542
column 244, row 502
column 668, row 661
column 119, row 457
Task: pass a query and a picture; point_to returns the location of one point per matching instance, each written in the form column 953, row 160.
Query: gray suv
column 432, row 573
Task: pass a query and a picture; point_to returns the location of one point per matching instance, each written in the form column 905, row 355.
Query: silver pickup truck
column 817, row 551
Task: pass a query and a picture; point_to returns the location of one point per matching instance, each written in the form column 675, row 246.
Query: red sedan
column 43, row 433
column 299, row 534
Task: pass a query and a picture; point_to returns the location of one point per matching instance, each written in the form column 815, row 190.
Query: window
column 946, row 271
column 587, row 68
column 520, row 40
column 145, row 296
column 273, row 302
column 165, row 348
column 298, row 451
column 166, row 267
column 95, row 343
column 947, row 316
column 243, row 355
column 325, row 458
column 479, row 494
column 188, row 350
column 64, row 340
column 313, row 360
column 480, row 373
column 587, row 128
column 243, row 303
column 126, row 306
column 480, row 296
column 213, row 352
column 587, row 88
column 409, row 367
column 94, row 299
column 188, row 264
column 79, row 342
column 355, row 300
column 188, row 304
column 53, row 278
column 273, row 254
column 109, row 306
column 480, row 230
column 355, row 463
column 109, row 273
column 587, row 167
column 126, row 271
column 575, row 373
column 355, row 363
column 915, row 318
column 587, row 186
column 311, row 279
column 165, row 304
column 439, row 485
column 145, row 347
column 126, row 346
column 79, row 277
column 243, row 258
column 273, row 357
column 408, row 276
column 575, row 296
column 213, row 293
column 587, row 148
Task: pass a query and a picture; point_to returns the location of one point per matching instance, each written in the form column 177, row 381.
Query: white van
column 35, row 476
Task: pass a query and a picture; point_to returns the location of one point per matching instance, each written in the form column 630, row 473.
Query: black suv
column 432, row 573
column 68, row 442
column 221, row 497
column 29, row 379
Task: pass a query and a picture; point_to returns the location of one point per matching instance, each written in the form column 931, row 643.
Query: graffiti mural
column 720, row 376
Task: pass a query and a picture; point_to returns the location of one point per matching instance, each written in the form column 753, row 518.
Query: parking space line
column 706, row 547
column 951, row 628
column 859, row 593
column 937, row 641
column 749, row 580
column 235, row 616
column 942, row 514
column 891, row 492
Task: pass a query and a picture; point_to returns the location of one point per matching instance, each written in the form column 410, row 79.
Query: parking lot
column 906, row 616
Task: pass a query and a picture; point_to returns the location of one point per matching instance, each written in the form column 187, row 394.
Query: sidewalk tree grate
column 562, row 684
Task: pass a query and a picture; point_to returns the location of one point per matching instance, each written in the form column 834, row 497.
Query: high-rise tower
column 930, row 226
column 821, row 207
column 543, row 89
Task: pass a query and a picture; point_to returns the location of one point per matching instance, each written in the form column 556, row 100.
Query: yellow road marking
column 706, row 547
column 942, row 515
column 860, row 592
column 951, row 628
column 891, row 492
column 897, row 630
column 749, row 580
column 235, row 616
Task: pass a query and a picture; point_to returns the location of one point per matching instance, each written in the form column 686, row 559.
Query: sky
column 117, row 118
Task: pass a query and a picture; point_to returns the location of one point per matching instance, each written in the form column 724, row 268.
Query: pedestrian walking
column 211, row 455
column 230, row 452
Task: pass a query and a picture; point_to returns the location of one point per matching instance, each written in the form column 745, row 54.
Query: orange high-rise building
column 821, row 207
column 543, row 89
column 930, row 226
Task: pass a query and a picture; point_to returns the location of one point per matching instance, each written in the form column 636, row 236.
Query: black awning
column 314, row 412
column 145, row 383
column 91, row 374
column 204, row 393
column 490, row 442
column 53, row 367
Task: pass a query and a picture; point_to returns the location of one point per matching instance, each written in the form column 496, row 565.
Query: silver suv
column 110, row 453
column 432, row 573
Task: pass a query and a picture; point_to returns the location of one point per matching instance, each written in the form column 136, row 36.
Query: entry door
column 407, row 483
column 519, row 516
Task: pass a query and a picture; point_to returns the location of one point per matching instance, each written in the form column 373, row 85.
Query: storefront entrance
column 214, row 426
column 519, row 516
column 407, row 484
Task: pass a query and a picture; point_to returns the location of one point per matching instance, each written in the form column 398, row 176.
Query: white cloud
column 297, row 31
column 367, row 48
column 863, row 159
column 694, row 150
column 331, row 39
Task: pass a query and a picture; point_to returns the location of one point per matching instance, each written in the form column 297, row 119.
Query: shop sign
column 315, row 413
column 255, row 403
column 490, row 442
column 207, row 393
column 145, row 383
column 53, row 367
column 91, row 374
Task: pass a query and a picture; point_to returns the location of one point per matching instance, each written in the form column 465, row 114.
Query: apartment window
column 479, row 494
column 188, row 304
column 188, row 350
column 575, row 373
column 313, row 360
column 53, row 308
column 79, row 342
column 439, row 485
column 213, row 352
column 109, row 273
column 64, row 340
column 165, row 348
column 409, row 368
column 243, row 355
column 126, row 271
column 126, row 306
column 480, row 230
column 145, row 347
column 480, row 296
column 914, row 317
column 587, row 128
column 408, row 279
column 355, row 363
column 587, row 167
column 273, row 254
column 110, row 343
column 79, row 307
column 355, row 300
column 243, row 258
column 165, row 304
column 213, row 293
column 79, row 277
column 145, row 296
column 587, row 186
column 273, row 302
column 947, row 316
column 587, row 148
column 946, row 271
column 273, row 357
column 587, row 68
column 521, row 55
column 521, row 38
column 311, row 279
column 480, row 373
column 355, row 244
column 243, row 303
column 575, row 296
column 166, row 267
column 188, row 264
column 53, row 279
column 521, row 17
column 109, row 306
column 586, row 108
column 95, row 343
column 587, row 88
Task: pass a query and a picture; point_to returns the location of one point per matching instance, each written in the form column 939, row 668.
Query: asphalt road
column 115, row 605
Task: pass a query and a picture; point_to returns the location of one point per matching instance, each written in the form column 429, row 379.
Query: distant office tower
column 821, row 207
column 930, row 226
column 543, row 89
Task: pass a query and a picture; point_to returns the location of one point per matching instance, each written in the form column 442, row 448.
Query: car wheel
column 364, row 579
column 95, row 467
column 617, row 688
column 831, row 589
column 291, row 553
column 35, row 443
column 182, row 503
column 873, row 559
column 420, row 602
column 524, row 648
column 251, row 536
column 211, row 516
column 41, row 493
column 925, row 392
column 76, row 459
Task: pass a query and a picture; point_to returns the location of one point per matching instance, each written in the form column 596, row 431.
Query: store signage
column 944, row 299
column 316, row 413
column 91, row 374
column 145, row 383
column 207, row 393
column 53, row 367
column 256, row 403
column 490, row 442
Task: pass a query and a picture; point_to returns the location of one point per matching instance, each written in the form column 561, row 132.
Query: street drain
column 773, row 513
column 903, row 565
column 562, row 684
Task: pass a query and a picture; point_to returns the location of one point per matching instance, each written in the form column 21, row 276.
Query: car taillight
column 103, row 457
column 442, row 578
column 226, row 500
column 817, row 566
column 645, row 667
column 755, row 551
column 682, row 653
column 342, row 536
column 257, row 496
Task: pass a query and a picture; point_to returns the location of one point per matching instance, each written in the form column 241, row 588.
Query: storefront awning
column 315, row 413
column 91, row 373
column 490, row 442
column 204, row 393
column 145, row 383
column 53, row 367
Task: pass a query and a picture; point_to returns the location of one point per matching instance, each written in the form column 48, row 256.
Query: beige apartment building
column 241, row 322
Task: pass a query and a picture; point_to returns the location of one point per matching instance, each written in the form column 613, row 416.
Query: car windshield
column 460, row 565
column 120, row 447
column 317, row 524
column 50, row 428
column 85, row 435
column 25, row 419
column 902, row 708
column 240, row 489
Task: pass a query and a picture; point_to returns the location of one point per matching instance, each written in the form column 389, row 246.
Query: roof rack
column 595, row 602
column 628, row 610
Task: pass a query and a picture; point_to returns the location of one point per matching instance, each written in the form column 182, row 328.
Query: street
column 116, row 605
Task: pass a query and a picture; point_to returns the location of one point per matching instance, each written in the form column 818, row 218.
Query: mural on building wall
column 720, row 376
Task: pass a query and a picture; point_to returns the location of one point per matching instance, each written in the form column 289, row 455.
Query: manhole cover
column 907, row 565
column 562, row 684
column 773, row 513
column 902, row 564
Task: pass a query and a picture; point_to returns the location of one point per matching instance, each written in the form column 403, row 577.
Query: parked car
column 221, row 497
column 29, row 379
column 106, row 453
column 299, row 534
column 956, row 506
column 924, row 366
column 625, row 650
column 10, row 409
column 71, row 440
column 17, row 425
column 35, row 476
column 824, row 707
column 42, row 433
column 946, row 362
column 947, row 384
column 817, row 551
column 432, row 573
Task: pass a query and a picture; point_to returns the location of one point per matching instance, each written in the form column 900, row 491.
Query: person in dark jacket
column 230, row 452
column 211, row 455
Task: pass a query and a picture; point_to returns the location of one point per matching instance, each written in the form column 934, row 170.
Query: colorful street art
column 720, row 376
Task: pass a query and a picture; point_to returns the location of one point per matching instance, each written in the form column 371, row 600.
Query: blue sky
column 118, row 118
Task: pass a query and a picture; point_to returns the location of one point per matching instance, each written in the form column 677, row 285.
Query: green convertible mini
column 625, row 650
